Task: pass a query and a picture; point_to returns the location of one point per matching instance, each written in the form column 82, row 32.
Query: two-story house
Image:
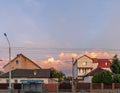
column 86, row 64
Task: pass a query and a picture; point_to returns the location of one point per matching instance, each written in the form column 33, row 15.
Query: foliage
column 103, row 77
column 57, row 74
column 115, row 67
column 68, row 78
column 116, row 78
column 97, row 78
column 106, row 77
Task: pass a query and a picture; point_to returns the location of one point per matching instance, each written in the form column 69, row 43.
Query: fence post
column 91, row 86
column 102, row 87
column 113, row 86
column 57, row 87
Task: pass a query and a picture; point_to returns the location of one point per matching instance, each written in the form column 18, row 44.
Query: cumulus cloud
column 60, row 65
column 99, row 54
column 3, row 62
column 63, row 55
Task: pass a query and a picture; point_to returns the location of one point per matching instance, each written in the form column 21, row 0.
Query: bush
column 97, row 78
column 103, row 77
column 106, row 77
column 116, row 78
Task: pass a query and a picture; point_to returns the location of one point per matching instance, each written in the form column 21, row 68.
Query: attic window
column 106, row 63
column 17, row 62
column 85, row 63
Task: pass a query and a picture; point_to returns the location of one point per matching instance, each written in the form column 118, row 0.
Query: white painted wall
column 88, row 79
column 75, row 70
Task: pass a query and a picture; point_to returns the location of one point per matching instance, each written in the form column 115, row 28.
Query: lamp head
column 5, row 34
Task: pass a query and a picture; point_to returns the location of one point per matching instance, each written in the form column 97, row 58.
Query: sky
column 51, row 32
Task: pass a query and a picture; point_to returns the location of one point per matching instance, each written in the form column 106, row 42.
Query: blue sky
column 54, row 23
column 59, row 24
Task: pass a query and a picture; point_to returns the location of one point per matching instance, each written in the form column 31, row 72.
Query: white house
column 85, row 64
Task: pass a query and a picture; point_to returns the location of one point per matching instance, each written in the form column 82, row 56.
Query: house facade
column 21, row 62
column 85, row 64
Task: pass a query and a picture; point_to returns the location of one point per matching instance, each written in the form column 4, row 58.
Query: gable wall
column 23, row 63
column 84, row 59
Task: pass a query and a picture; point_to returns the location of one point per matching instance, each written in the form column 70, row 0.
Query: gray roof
column 96, row 70
column 28, row 73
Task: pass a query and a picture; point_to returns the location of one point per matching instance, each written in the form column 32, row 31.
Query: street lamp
column 9, row 90
column 73, row 83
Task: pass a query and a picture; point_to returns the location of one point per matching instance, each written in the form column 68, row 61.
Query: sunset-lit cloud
column 67, row 55
column 3, row 62
column 99, row 54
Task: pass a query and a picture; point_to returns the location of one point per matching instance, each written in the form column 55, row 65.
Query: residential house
column 21, row 62
column 31, row 80
column 85, row 64
column 29, row 75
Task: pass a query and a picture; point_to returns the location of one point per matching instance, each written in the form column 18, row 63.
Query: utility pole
column 10, row 87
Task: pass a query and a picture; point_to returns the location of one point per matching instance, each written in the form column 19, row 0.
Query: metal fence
column 67, row 88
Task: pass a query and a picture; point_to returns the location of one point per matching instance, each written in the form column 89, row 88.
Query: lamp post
column 9, row 90
column 73, row 83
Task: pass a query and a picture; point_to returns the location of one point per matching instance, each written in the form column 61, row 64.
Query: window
column 105, row 63
column 81, row 71
column 17, row 62
column 85, row 63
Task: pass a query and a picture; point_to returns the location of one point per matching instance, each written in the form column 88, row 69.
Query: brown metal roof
column 93, row 72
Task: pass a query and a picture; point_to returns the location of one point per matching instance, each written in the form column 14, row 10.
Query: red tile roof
column 103, row 63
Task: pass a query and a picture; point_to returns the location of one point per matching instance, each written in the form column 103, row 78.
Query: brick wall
column 51, row 87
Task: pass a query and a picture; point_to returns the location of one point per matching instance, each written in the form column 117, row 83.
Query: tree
column 68, row 78
column 116, row 78
column 106, row 77
column 57, row 74
column 97, row 78
column 103, row 77
column 115, row 66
